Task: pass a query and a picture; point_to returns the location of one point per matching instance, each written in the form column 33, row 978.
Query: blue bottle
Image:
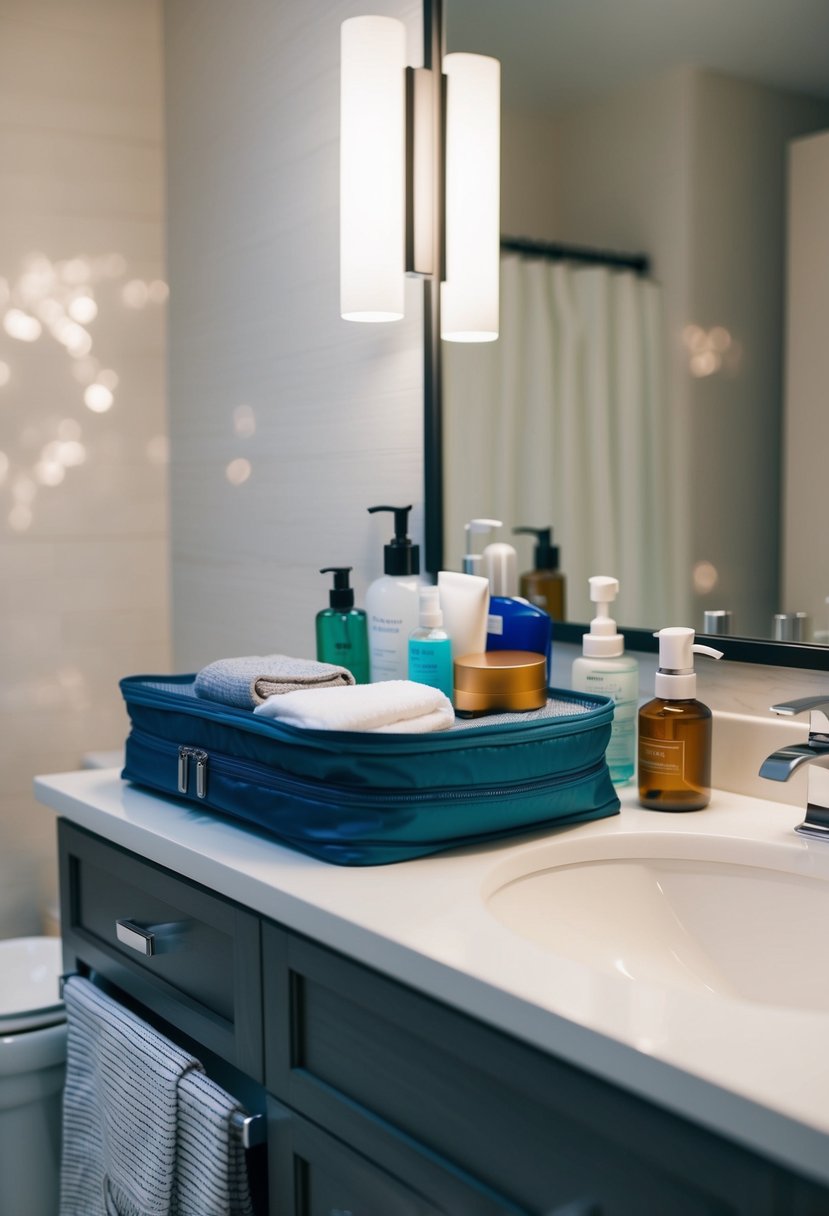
column 515, row 624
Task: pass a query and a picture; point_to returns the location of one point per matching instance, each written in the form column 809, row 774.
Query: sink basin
column 740, row 919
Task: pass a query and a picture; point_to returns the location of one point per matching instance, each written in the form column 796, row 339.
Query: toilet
column 32, row 1066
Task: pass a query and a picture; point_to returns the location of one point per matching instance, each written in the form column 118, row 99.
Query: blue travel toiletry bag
column 363, row 798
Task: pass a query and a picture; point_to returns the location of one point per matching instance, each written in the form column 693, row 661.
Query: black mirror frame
column 433, row 48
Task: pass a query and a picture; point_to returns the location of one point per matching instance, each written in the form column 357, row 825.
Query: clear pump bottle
column 675, row 730
column 342, row 636
column 607, row 670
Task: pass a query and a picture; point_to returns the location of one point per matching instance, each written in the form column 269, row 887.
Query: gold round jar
column 500, row 681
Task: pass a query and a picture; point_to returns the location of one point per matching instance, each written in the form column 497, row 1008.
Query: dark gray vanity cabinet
column 382, row 1066
column 381, row 1101
column 201, row 972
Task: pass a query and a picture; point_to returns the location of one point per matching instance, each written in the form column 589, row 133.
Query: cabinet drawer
column 530, row 1127
column 316, row 1175
column 188, row 955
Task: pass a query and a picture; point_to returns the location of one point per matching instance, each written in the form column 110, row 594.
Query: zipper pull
column 183, row 769
column 201, row 773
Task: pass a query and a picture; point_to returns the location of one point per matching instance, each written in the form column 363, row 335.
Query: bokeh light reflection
column 705, row 577
column 238, row 471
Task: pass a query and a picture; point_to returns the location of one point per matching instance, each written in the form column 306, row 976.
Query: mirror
column 663, row 128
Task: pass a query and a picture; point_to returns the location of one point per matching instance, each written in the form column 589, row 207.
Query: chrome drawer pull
column 132, row 935
column 250, row 1128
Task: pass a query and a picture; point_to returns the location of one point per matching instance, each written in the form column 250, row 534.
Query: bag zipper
column 220, row 762
column 185, row 754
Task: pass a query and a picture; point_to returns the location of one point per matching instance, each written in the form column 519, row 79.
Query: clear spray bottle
column 430, row 650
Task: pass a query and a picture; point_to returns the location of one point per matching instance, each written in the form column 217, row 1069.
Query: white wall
column 806, row 439
column 530, row 179
column 253, row 176
column 83, row 562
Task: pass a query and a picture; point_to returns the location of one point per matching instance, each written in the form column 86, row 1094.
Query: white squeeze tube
column 464, row 602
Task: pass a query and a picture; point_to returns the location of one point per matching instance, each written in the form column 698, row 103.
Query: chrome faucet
column 780, row 765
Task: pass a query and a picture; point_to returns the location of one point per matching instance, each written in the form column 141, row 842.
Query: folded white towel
column 399, row 706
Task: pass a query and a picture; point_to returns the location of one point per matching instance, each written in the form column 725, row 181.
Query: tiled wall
column 83, row 512
column 286, row 421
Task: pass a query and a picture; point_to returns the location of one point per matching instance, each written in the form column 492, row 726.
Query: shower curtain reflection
column 565, row 420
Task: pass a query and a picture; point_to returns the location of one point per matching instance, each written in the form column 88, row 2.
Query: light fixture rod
column 421, row 208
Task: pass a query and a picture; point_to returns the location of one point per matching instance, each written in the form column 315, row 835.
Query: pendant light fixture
column 392, row 175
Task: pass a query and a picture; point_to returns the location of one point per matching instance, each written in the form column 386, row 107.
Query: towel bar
column 67, row 975
column 251, row 1128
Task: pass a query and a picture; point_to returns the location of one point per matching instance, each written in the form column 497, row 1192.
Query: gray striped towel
column 211, row 1175
column 250, row 680
column 135, row 1141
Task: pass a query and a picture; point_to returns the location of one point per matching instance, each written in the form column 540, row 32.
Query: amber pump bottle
column 675, row 730
column 545, row 585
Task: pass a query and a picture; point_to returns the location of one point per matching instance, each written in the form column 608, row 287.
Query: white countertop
column 758, row 1074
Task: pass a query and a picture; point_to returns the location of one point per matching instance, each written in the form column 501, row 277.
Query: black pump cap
column 400, row 556
column 545, row 553
column 342, row 595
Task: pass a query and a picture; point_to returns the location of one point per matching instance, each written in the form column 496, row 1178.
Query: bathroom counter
column 758, row 1074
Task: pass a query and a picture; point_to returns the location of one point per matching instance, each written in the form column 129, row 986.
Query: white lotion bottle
column 392, row 603
column 606, row 669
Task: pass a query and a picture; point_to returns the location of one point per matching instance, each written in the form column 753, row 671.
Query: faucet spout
column 780, row 765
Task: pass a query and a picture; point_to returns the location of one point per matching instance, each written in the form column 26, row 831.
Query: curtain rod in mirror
column 557, row 252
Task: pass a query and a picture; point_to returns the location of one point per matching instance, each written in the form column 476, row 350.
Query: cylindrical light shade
column 372, row 168
column 469, row 297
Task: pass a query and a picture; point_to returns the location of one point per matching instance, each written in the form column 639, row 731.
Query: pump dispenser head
column 472, row 561
column 341, row 595
column 400, row 556
column 430, row 614
column 603, row 642
column 545, row 553
column 676, row 679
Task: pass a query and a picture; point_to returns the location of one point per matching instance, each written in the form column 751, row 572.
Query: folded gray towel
column 249, row 681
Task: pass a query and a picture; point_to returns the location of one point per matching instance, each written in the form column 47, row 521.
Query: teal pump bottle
column 342, row 634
